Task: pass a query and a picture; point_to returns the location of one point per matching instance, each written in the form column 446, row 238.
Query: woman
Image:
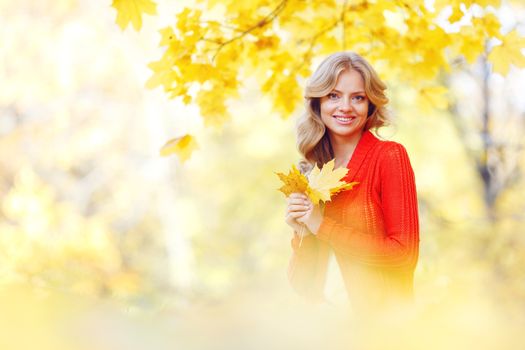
column 373, row 229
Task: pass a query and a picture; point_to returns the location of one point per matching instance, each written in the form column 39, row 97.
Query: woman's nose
column 345, row 104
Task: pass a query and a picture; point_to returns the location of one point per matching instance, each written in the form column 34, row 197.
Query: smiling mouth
column 344, row 119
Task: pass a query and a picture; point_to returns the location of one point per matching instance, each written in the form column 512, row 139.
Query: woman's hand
column 313, row 216
column 297, row 208
column 302, row 212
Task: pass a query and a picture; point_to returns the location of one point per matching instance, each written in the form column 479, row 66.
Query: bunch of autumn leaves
column 319, row 185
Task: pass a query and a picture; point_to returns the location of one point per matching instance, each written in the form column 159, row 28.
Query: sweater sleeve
column 399, row 245
column 307, row 266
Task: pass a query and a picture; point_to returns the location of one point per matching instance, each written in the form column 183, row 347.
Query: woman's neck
column 343, row 148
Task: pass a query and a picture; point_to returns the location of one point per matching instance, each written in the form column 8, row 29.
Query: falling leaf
column 182, row 146
column 132, row 11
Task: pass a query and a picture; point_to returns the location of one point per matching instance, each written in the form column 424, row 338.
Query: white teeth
column 343, row 119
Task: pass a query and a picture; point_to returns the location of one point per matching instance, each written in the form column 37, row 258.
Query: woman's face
column 344, row 110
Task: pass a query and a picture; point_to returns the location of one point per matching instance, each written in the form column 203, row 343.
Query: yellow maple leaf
column 132, row 11
column 293, row 182
column 320, row 185
column 345, row 186
column 470, row 42
column 509, row 52
column 326, row 181
column 182, row 146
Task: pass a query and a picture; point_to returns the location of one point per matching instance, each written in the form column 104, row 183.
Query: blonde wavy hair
column 312, row 139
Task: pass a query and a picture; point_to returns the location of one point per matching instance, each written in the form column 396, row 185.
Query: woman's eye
column 359, row 98
column 332, row 96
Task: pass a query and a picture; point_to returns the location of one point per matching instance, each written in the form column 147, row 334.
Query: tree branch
column 268, row 19
column 235, row 29
column 313, row 40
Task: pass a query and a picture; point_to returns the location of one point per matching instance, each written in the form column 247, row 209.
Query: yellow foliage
column 215, row 46
column 470, row 43
column 489, row 25
column 167, row 36
column 483, row 3
column 508, row 53
column 182, row 146
column 132, row 11
column 213, row 107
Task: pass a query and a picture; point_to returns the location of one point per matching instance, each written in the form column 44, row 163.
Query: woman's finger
column 295, row 215
column 298, row 208
column 298, row 212
column 297, row 198
column 297, row 195
column 298, row 201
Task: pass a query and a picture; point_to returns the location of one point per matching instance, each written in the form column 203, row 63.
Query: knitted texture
column 373, row 229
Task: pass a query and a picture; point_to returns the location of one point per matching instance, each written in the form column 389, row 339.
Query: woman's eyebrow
column 353, row 93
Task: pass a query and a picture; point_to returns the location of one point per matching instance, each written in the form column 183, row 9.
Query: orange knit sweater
column 372, row 229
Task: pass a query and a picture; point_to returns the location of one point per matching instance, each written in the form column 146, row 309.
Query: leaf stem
column 301, row 233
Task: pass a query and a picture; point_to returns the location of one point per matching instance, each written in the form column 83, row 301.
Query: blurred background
column 104, row 244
